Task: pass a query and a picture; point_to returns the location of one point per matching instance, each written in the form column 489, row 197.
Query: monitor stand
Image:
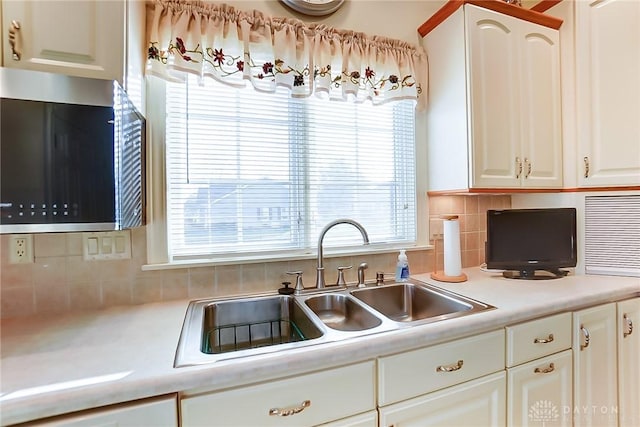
column 535, row 274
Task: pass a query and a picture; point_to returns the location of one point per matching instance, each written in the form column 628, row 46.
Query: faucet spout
column 320, row 282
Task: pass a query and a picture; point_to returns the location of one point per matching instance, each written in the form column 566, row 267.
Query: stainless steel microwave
column 71, row 154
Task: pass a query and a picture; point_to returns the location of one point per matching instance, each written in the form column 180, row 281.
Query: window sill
column 244, row 259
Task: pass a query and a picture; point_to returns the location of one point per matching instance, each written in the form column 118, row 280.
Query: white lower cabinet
column 416, row 372
column 302, row 400
column 629, row 362
column 595, row 380
column 539, row 372
column 480, row 402
column 452, row 384
column 158, row 412
column 540, row 392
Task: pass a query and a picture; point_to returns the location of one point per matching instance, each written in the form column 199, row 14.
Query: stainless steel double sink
column 220, row 329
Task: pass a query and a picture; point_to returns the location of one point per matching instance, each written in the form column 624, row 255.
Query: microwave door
column 82, row 164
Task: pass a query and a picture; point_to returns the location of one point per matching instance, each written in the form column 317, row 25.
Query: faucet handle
column 341, row 281
column 379, row 278
column 299, row 284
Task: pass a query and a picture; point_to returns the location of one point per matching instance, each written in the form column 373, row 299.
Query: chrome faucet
column 320, row 283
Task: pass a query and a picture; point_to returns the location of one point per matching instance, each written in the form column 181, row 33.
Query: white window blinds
column 250, row 172
column 612, row 235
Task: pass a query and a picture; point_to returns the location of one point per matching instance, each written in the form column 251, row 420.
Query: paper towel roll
column 452, row 257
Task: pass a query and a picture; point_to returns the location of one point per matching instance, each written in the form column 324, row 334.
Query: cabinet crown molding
column 496, row 5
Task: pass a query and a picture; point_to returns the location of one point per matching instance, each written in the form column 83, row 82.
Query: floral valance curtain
column 232, row 46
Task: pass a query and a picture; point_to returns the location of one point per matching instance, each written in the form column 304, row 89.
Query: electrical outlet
column 21, row 249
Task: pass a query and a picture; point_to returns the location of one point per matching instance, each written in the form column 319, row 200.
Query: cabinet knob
column 585, row 333
column 279, row 412
column 528, row 164
column 15, row 40
column 628, row 325
column 518, row 167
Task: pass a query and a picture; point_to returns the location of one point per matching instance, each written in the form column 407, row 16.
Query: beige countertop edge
column 61, row 364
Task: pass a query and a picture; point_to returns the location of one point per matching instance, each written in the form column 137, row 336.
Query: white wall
column 391, row 18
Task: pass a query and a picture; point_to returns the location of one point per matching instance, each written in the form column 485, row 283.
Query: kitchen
column 85, row 285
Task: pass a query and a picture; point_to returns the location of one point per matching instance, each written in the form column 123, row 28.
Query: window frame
column 157, row 239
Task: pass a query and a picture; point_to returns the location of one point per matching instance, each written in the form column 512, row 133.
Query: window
column 251, row 172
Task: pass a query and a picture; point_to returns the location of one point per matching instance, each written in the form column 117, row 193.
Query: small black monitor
column 531, row 243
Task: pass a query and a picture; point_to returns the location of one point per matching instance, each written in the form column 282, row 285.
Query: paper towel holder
column 440, row 275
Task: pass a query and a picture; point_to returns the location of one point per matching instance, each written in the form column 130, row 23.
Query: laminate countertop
column 60, row 364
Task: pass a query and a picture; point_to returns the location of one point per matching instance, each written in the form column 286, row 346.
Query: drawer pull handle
column 586, row 167
column 450, row 368
column 289, row 411
column 518, row 167
column 585, row 332
column 628, row 325
column 547, row 370
column 543, row 340
column 15, row 40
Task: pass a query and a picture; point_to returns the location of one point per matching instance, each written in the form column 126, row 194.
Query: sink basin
column 221, row 329
column 252, row 323
column 407, row 302
column 341, row 312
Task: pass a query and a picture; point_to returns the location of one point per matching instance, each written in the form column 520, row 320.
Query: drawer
column 331, row 395
column 410, row 374
column 538, row 338
column 157, row 412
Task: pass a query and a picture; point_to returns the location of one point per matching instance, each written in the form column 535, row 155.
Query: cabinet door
column 608, row 91
column 540, row 106
column 81, row 38
column 595, row 366
column 493, row 98
column 629, row 362
column 540, row 391
column 480, row 402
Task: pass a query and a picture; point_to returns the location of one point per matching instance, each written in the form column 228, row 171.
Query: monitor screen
column 531, row 243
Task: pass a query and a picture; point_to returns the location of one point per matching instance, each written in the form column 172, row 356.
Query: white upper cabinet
column 494, row 119
column 85, row 38
column 608, row 92
column 79, row 38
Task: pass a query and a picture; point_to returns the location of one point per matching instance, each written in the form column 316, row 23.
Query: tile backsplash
column 61, row 281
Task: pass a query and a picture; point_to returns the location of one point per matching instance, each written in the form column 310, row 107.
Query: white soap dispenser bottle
column 402, row 267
